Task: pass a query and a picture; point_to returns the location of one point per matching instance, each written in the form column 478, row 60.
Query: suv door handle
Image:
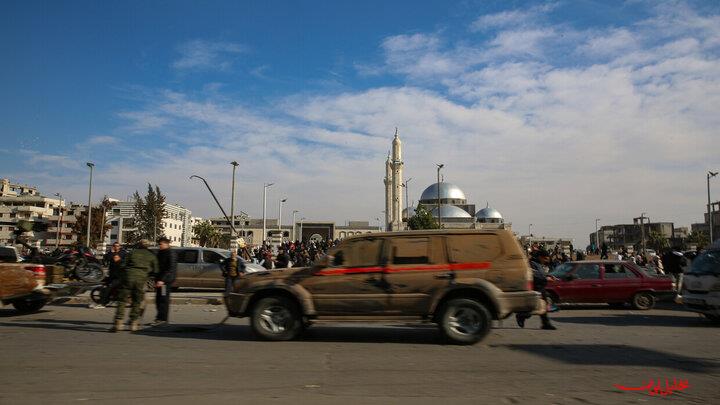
column 446, row 276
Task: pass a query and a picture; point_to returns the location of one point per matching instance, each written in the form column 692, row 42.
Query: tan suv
column 458, row 279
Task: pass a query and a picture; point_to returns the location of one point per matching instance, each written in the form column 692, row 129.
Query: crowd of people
column 289, row 253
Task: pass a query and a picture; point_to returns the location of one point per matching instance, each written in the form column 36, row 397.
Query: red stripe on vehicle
column 427, row 267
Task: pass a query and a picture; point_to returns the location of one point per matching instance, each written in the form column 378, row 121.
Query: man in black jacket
column 538, row 264
column 167, row 265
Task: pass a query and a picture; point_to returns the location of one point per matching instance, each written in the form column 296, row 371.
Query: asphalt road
column 64, row 355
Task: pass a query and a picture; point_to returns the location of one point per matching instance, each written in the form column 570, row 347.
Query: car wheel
column 29, row 306
column 276, row 318
column 643, row 301
column 464, row 321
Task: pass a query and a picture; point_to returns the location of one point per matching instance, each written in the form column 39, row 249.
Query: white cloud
column 206, row 55
column 102, row 140
column 511, row 18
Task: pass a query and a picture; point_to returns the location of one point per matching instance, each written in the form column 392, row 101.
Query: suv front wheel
column 276, row 318
column 464, row 321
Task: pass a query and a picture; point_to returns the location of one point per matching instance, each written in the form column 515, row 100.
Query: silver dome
column 450, row 211
column 488, row 213
column 448, row 191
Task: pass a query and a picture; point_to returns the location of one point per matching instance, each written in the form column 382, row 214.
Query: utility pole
column 529, row 226
column 642, row 219
column 89, row 217
column 59, row 223
column 301, row 226
column 232, row 200
column 439, row 166
column 293, row 225
column 710, row 175
column 264, row 234
column 280, row 203
column 597, row 235
column 407, row 200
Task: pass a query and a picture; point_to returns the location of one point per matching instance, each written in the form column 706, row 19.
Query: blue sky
column 556, row 113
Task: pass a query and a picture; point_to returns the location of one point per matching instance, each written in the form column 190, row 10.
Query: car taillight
column 38, row 273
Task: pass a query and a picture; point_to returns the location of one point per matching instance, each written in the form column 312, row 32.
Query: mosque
column 445, row 201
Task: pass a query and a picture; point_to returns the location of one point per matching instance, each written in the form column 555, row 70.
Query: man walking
column 167, row 265
column 139, row 264
column 538, row 263
column 234, row 266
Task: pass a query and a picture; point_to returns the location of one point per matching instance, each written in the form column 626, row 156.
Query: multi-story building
column 19, row 201
column 176, row 224
column 630, row 236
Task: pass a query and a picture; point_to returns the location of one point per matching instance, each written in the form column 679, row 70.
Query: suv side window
column 473, row 248
column 411, row 251
column 587, row 271
column 212, row 257
column 617, row 270
column 187, row 256
column 358, row 253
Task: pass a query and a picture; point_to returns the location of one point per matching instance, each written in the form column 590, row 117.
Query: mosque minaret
column 393, row 187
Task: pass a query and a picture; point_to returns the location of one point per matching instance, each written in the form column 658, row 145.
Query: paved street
column 64, row 355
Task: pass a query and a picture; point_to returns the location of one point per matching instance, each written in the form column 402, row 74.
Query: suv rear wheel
column 464, row 321
column 29, row 306
column 276, row 318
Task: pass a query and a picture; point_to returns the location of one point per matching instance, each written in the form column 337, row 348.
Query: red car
column 614, row 282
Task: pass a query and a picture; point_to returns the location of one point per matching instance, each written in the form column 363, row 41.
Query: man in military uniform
column 139, row 265
column 233, row 268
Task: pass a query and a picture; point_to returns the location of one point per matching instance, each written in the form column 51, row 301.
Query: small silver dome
column 448, row 191
column 450, row 211
column 488, row 213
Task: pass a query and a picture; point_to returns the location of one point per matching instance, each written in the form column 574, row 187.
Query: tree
column 698, row 238
column 205, row 234
column 422, row 219
column 657, row 241
column 98, row 227
column 149, row 213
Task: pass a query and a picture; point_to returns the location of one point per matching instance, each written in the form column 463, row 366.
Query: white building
column 176, row 225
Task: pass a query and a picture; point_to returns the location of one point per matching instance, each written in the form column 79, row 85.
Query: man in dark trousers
column 167, row 265
column 137, row 267
column 538, row 263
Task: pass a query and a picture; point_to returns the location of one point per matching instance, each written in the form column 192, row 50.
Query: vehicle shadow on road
column 82, row 326
column 368, row 334
column 616, row 355
column 645, row 319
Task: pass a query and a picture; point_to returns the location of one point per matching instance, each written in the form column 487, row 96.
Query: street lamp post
column 597, row 235
column 439, row 166
column 301, row 226
column 710, row 174
column 293, row 225
column 232, row 199
column 265, row 187
column 407, row 199
column 529, row 226
column 378, row 219
column 89, row 217
column 280, row 203
column 59, row 224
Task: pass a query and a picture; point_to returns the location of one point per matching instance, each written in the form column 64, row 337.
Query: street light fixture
column 265, row 187
column 710, row 174
column 232, row 200
column 439, row 166
column 89, row 217
column 293, row 225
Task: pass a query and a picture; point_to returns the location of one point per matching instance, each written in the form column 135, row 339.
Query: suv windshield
column 707, row 263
